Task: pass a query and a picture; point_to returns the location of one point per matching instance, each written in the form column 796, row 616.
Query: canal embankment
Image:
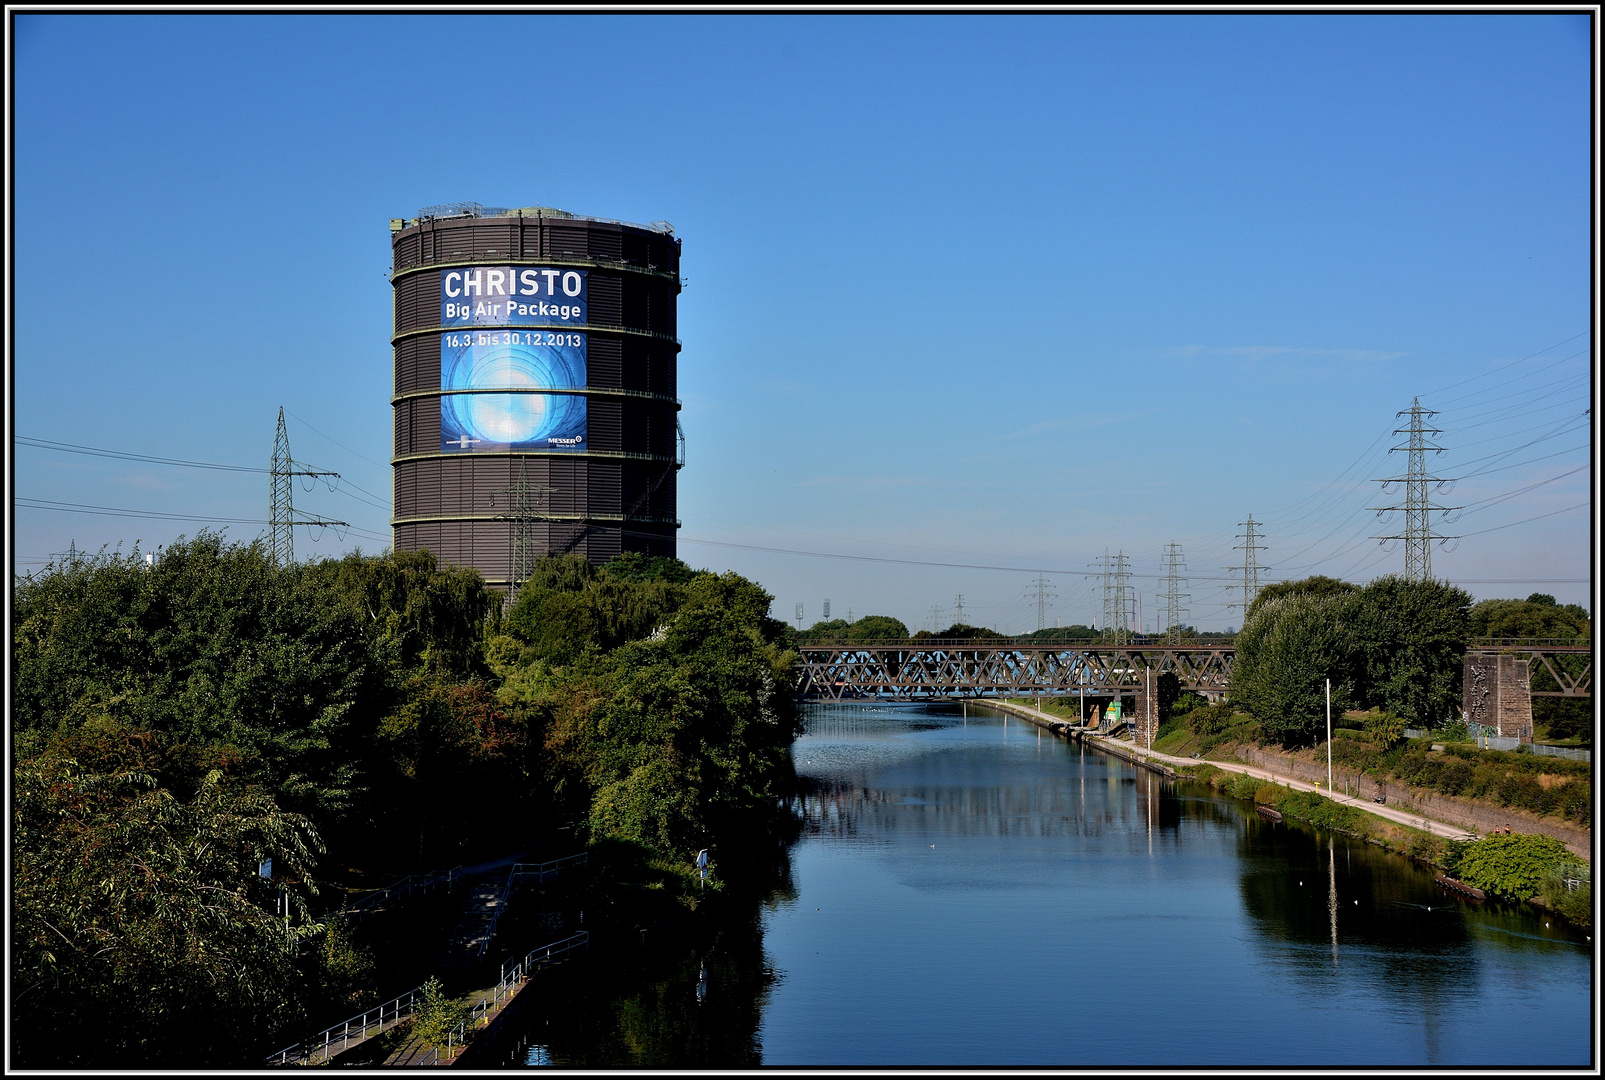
column 1168, row 766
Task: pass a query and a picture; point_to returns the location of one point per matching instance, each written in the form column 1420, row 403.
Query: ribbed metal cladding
column 618, row 492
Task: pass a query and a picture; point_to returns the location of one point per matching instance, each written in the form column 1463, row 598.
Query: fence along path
column 341, row 1037
column 515, row 974
column 338, row 1038
column 403, row 888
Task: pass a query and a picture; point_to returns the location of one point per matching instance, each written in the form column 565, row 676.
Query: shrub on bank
column 1568, row 890
column 1514, row 864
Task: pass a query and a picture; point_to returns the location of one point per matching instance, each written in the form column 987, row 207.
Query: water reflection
column 968, row 893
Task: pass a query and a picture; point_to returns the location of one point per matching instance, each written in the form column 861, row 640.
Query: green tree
column 877, row 628
column 1412, row 635
column 143, row 935
column 960, row 632
column 1528, row 618
column 439, row 1017
column 214, row 646
column 1316, row 585
column 1287, row 650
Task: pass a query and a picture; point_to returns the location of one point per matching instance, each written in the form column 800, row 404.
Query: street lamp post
column 1329, row 737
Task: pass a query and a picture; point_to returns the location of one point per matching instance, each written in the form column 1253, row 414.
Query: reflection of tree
column 1403, row 940
column 694, row 999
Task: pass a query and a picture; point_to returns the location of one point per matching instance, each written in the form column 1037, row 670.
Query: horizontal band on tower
column 583, row 328
column 499, row 260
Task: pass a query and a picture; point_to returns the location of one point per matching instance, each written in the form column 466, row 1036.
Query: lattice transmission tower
column 1119, row 603
column 525, row 507
column 1250, row 547
column 281, row 502
column 1040, row 588
column 1175, row 582
column 1418, row 506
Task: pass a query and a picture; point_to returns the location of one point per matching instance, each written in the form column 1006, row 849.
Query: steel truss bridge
column 1569, row 662
column 934, row 668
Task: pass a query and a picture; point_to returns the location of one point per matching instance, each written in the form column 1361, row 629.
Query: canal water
column 968, row 891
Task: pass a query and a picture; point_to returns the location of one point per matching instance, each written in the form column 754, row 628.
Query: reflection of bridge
column 937, row 668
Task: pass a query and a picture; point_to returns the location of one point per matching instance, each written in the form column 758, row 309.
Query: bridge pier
column 1498, row 694
column 1145, row 716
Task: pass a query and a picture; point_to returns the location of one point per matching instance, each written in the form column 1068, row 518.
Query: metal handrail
column 540, row 871
column 1530, row 643
column 914, row 644
column 405, row 886
column 399, row 1008
column 403, row 1006
column 533, row 961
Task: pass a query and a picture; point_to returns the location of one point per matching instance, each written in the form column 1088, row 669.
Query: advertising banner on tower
column 492, row 381
column 512, row 296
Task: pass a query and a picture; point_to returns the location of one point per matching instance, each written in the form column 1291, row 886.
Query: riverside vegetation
column 176, row 724
column 1395, row 649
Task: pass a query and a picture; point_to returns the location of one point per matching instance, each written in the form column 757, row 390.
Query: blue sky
column 993, row 291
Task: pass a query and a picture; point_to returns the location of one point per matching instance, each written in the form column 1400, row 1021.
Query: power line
column 1494, row 500
column 31, row 503
column 1508, row 366
column 343, row 446
column 1523, row 521
column 121, row 455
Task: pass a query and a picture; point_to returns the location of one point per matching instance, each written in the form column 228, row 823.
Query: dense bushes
column 1206, row 720
column 1524, row 781
column 1514, row 864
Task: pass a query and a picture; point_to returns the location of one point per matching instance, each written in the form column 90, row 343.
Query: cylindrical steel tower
column 535, row 407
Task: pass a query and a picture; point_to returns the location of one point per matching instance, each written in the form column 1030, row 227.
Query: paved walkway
column 1415, row 821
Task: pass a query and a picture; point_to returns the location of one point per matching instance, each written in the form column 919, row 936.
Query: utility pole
column 521, row 517
column 1041, row 586
column 1329, row 738
column 1175, row 566
column 1417, row 505
column 1251, row 567
column 281, row 507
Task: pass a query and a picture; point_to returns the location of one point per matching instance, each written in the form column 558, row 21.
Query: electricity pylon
column 1418, row 505
column 281, row 507
column 521, row 517
column 1173, row 595
column 958, row 609
column 1251, row 567
column 1117, row 596
column 1041, row 586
